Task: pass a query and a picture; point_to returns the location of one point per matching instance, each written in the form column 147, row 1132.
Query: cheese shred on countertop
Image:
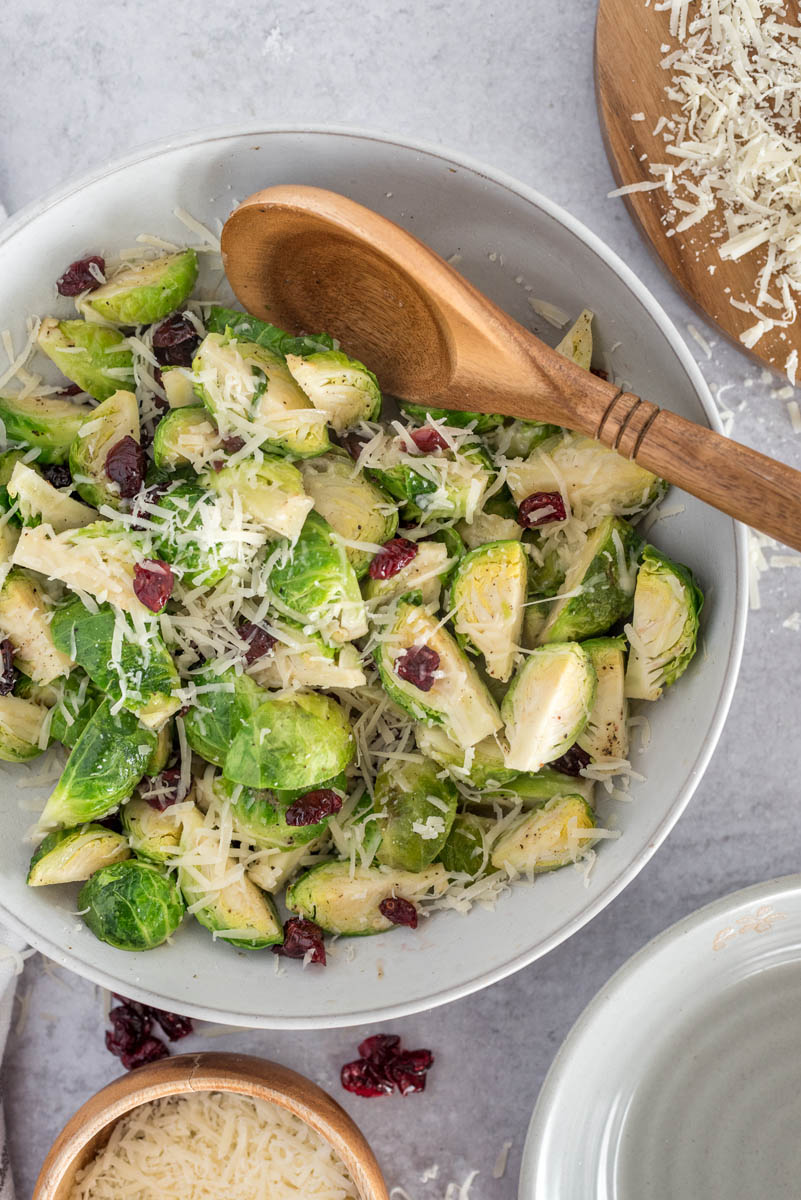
column 210, row 1144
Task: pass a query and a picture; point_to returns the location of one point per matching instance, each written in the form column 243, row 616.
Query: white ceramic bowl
column 504, row 233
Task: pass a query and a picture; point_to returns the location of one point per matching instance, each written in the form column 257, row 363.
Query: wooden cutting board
column 628, row 50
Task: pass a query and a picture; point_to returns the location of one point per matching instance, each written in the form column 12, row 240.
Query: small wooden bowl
column 89, row 1129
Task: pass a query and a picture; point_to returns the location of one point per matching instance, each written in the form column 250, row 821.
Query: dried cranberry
column 380, row 1047
column 8, row 672
column 57, row 474
column 384, row 1065
column 428, row 439
column 174, row 1025
column 407, row 1070
column 146, row 435
column 399, row 911
column 572, row 761
column 396, row 555
column 72, row 389
column 130, row 1028
column 79, row 278
column 354, row 443
column 301, row 936
column 361, row 1078
column 541, row 508
column 125, row 465
column 175, row 340
column 163, row 790
column 313, row 807
column 418, row 666
column 151, row 1050
column 231, row 444
column 406, row 1081
column 259, row 642
column 153, row 583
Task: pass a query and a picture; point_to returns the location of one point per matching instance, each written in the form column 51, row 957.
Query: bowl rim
column 695, row 772
column 243, row 1074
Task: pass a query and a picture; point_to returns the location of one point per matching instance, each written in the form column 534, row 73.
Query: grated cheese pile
column 207, row 1145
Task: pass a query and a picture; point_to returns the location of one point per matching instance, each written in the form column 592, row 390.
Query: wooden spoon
column 309, row 259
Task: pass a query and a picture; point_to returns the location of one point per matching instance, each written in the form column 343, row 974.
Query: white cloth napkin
column 10, row 945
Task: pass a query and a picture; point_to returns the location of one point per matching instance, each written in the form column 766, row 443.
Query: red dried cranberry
column 231, row 444
column 175, row 340
column 428, row 439
column 174, row 1025
column 380, row 1047
column 354, row 443
column 8, row 672
column 399, row 911
column 57, row 474
column 313, row 807
column 418, row 666
column 163, row 790
column 151, row 1050
column 153, row 583
column 130, row 1028
column 79, row 278
column 384, row 1065
column 259, row 642
column 301, row 936
column 125, row 465
column 72, row 389
column 541, row 508
column 397, row 553
column 361, row 1078
column 572, row 761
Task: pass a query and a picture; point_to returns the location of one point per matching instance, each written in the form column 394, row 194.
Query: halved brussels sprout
column 606, row 733
column 479, row 422
column 116, row 418
column 577, row 342
column 179, row 387
column 73, row 708
column 250, row 391
column 316, row 583
column 489, row 527
column 142, row 294
column 489, row 594
column 550, row 837
column 226, row 702
column 271, row 870
column 338, row 386
column 104, row 766
column 270, row 491
column 518, row 438
column 482, row 765
column 548, row 704
column 130, row 665
column 26, row 615
column 424, row 574
column 301, row 659
column 599, row 482
column 603, row 575
column 251, row 329
column 664, row 628
column 347, row 901
column 42, row 504
column 72, row 855
column 457, row 698
column 21, row 724
column 242, row 914
column 161, row 755
column 465, row 851
column 95, row 357
column 152, row 834
column 532, row 789
column 185, row 437
column 419, row 807
column 98, row 559
column 353, row 506
column 132, row 905
column 189, row 530
column 48, row 423
column 291, row 742
column 259, row 817
column 441, row 485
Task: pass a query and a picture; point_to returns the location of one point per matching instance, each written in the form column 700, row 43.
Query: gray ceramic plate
column 682, row 1078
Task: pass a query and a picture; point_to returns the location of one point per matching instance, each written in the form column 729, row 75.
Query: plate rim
column 449, row 158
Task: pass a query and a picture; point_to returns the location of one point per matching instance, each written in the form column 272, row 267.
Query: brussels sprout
column 185, row 437
column 354, row 507
column 464, row 853
column 21, row 724
column 104, row 766
column 547, row 577
column 270, row 491
column 419, row 807
column 72, row 855
column 489, row 594
column 179, row 387
column 242, row 914
column 26, row 615
column 340, row 387
column 152, row 834
column 517, row 439
column 315, row 581
column 42, row 504
column 132, row 905
column 548, row 838
column 532, row 789
column 271, row 870
column 48, row 423
column 598, row 481
column 144, row 293
column 161, row 755
column 291, row 742
column 489, row 527
column 250, row 391
column 258, row 817
column 577, row 342
column 424, row 574
column 547, row 704
column 139, row 671
column 606, row 733
column 95, row 357
column 481, row 765
column 251, row 329
column 226, row 702
column 8, row 461
column 116, row 418
column 664, row 628
column 458, row 699
column 98, row 559
column 599, row 584
column 453, row 542
column 301, row 659
column 478, row 422
column 189, row 530
column 347, row 901
column 74, row 706
column 441, row 485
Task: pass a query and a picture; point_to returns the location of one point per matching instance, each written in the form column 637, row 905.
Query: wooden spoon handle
column 739, row 481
